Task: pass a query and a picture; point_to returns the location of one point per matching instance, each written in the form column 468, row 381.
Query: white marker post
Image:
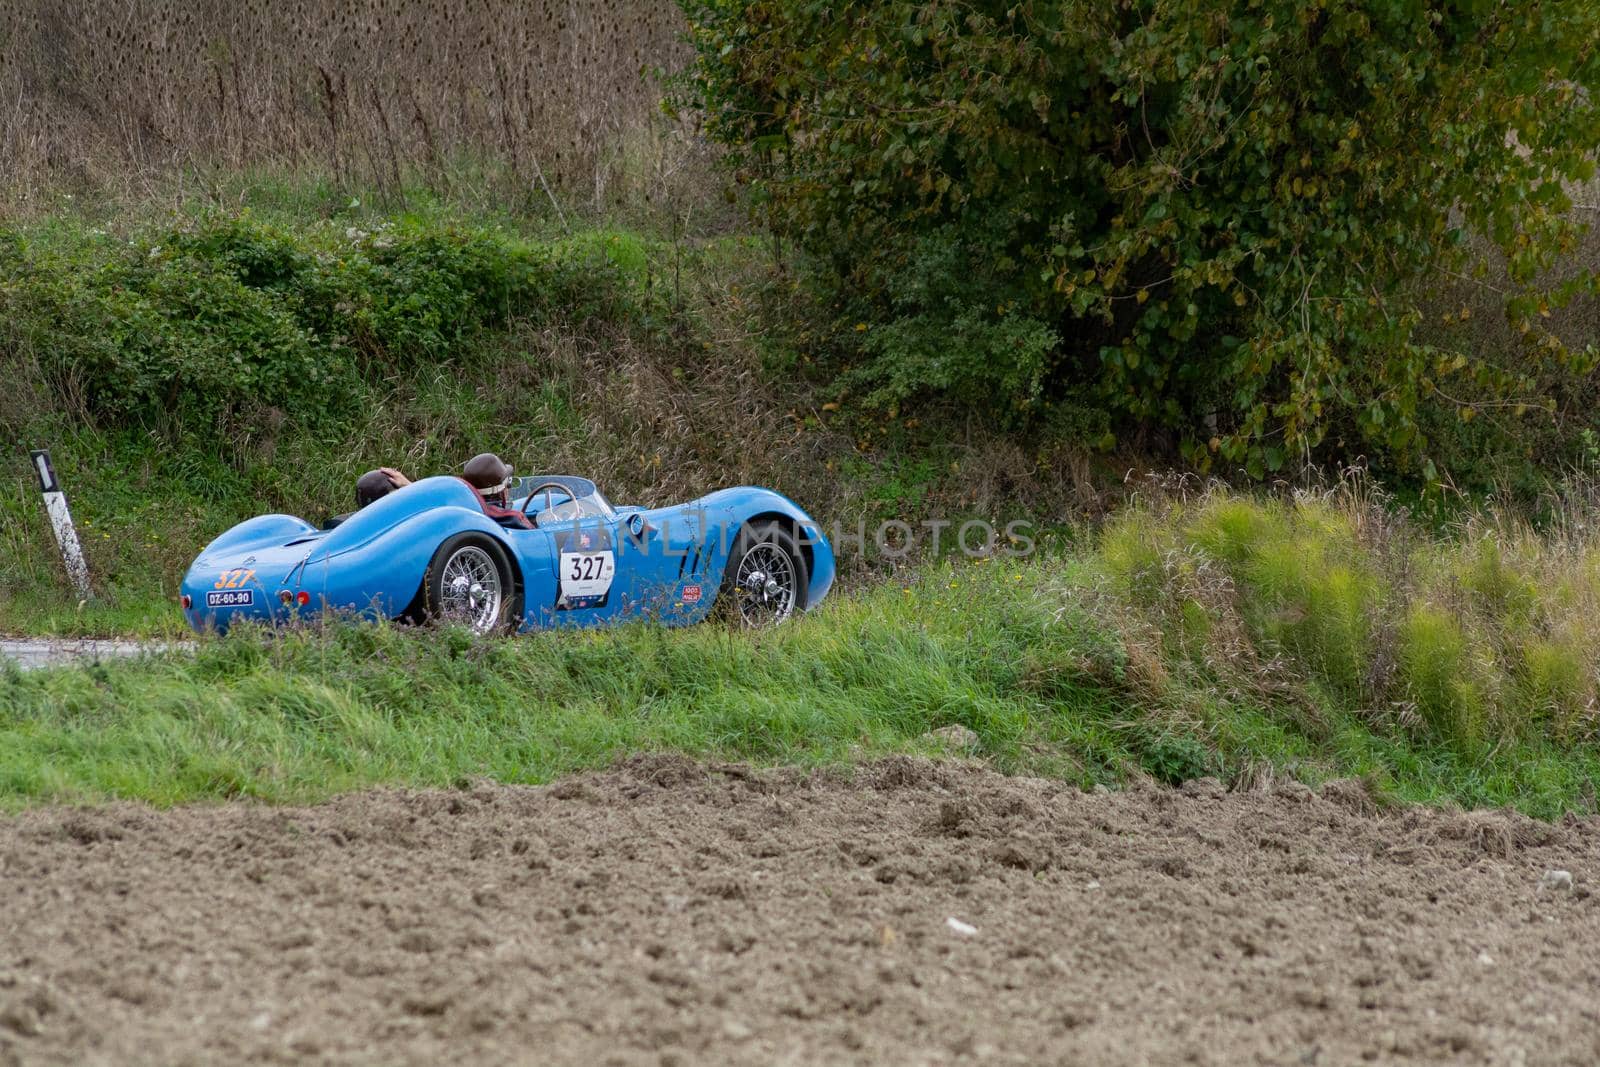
column 55, row 505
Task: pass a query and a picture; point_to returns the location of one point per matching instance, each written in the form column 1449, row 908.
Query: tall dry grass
column 558, row 94
column 1327, row 599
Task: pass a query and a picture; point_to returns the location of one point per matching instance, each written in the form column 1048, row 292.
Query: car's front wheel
column 468, row 583
column 765, row 581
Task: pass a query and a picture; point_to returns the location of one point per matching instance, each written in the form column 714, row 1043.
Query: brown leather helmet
column 487, row 473
column 373, row 485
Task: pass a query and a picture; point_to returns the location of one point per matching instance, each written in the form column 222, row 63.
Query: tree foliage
column 1219, row 217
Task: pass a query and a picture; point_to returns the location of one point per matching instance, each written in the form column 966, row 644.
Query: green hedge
column 232, row 323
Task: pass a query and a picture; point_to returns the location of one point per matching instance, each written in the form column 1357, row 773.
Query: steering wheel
column 541, row 487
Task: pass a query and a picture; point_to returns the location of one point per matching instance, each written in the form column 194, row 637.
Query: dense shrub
column 1222, row 218
column 138, row 333
column 237, row 322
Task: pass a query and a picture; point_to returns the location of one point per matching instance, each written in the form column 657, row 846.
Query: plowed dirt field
column 671, row 912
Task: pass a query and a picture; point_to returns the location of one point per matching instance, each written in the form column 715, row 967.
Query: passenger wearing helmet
column 376, row 484
column 373, row 485
column 490, row 478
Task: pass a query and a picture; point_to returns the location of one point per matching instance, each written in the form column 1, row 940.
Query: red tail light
column 303, row 598
column 186, row 601
column 285, row 597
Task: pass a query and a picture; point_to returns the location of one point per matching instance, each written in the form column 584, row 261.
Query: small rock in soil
column 1557, row 880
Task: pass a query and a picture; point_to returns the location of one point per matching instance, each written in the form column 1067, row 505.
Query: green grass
column 1026, row 654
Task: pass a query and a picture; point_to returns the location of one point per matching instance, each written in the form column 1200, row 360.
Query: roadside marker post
column 55, row 505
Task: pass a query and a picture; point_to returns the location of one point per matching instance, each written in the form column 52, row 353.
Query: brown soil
column 666, row 912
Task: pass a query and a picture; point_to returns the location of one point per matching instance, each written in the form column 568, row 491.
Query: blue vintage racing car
column 434, row 550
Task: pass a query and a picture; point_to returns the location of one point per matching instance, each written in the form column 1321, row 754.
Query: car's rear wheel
column 765, row 581
column 469, row 583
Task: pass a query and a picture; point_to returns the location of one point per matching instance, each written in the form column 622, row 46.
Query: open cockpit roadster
column 435, row 550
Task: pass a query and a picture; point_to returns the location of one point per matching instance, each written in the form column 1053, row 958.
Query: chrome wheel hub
column 767, row 585
column 471, row 590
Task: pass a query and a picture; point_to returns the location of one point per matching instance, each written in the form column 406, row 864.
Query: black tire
column 469, row 557
column 758, row 550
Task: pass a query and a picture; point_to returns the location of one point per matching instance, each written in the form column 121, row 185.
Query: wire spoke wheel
column 471, row 592
column 766, row 585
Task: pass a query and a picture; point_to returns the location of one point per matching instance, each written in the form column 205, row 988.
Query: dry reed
column 558, row 95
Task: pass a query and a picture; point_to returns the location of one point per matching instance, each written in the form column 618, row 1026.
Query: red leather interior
column 504, row 516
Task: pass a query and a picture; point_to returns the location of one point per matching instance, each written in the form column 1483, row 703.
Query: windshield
column 553, row 498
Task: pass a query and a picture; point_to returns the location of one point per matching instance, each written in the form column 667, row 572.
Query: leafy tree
column 1218, row 216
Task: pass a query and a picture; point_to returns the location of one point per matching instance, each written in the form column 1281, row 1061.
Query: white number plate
column 587, row 574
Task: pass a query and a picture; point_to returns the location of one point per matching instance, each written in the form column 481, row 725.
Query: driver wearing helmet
column 490, row 478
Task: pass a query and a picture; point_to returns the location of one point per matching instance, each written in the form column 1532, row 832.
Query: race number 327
column 586, row 574
column 234, row 579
